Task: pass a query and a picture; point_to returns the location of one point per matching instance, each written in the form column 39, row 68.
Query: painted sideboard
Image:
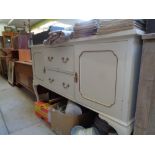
column 98, row 72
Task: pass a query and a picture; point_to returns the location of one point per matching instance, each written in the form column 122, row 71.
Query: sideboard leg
column 121, row 129
column 36, row 92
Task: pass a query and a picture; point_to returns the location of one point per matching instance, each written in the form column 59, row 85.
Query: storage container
column 62, row 123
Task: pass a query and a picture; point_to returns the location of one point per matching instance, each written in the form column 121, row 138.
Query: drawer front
column 60, row 58
column 51, row 58
column 51, row 80
column 66, row 85
column 61, row 83
column 66, row 59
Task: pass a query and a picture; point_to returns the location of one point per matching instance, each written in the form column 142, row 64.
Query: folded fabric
column 120, row 22
column 119, row 25
column 85, row 29
column 88, row 24
column 58, row 37
column 94, row 29
column 55, row 28
column 84, row 34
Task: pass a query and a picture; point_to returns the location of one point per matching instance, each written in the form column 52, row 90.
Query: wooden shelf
column 24, row 62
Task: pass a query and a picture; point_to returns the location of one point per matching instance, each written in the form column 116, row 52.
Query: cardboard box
column 62, row 123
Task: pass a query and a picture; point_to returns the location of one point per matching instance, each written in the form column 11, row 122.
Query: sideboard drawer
column 61, row 83
column 66, row 85
column 61, row 58
column 51, row 58
column 66, row 59
column 51, row 80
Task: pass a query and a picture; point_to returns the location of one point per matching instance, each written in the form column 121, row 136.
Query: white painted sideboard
column 98, row 72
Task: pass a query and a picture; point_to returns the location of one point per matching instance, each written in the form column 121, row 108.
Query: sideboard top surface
column 127, row 33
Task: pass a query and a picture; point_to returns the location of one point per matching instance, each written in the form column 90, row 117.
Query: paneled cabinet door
column 96, row 67
column 38, row 63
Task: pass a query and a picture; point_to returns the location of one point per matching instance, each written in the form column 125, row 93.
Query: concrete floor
column 17, row 112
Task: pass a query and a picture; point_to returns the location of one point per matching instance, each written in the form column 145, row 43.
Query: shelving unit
column 8, row 39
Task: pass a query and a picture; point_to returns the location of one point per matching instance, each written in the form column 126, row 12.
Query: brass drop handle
column 44, row 70
column 65, row 60
column 50, row 58
column 51, row 80
column 65, row 85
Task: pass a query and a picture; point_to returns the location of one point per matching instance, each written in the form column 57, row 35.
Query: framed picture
column 11, row 72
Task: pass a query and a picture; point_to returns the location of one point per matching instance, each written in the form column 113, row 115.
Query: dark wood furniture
column 8, row 39
column 7, row 55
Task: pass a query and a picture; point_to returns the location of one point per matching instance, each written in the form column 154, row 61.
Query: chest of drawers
column 99, row 72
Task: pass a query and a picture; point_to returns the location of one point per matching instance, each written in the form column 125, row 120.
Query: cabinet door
column 96, row 66
column 38, row 63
